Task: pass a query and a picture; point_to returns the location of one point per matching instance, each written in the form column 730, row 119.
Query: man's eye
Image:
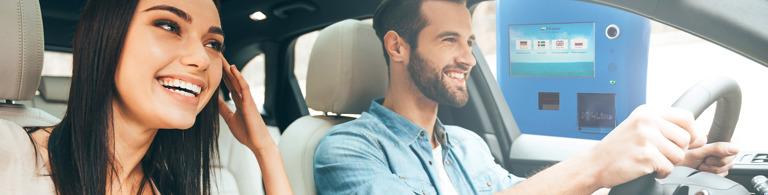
column 449, row 42
column 168, row 25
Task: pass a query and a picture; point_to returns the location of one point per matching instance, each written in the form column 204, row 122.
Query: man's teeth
column 456, row 75
column 183, row 85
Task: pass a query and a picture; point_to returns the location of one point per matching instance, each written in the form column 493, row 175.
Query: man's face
column 440, row 66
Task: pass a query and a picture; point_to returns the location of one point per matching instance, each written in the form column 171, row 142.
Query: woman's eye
column 168, row 25
column 215, row 45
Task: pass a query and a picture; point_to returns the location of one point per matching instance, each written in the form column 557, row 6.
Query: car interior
column 346, row 70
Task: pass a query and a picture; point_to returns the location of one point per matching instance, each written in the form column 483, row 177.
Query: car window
column 253, row 72
column 57, row 63
column 484, row 27
column 677, row 60
column 301, row 61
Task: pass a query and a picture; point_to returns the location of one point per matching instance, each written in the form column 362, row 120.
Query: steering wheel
column 682, row 180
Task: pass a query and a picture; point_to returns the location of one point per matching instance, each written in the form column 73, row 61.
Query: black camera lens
column 612, row 31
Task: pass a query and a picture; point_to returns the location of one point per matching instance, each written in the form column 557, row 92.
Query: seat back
column 21, row 62
column 54, row 94
column 346, row 71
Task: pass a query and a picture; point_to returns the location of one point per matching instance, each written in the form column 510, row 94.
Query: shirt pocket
column 484, row 181
column 419, row 185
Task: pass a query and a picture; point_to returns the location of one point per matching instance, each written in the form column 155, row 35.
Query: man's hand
column 651, row 139
column 715, row 158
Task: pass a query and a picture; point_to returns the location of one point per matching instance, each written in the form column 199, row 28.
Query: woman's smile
column 185, row 89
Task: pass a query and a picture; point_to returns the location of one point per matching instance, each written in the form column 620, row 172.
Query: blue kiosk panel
column 570, row 68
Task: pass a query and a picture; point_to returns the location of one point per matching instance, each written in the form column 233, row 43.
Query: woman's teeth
column 455, row 75
column 181, row 87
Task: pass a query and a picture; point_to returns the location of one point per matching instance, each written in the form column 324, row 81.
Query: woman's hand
column 245, row 122
column 249, row 129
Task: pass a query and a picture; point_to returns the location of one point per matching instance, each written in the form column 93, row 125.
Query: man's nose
column 466, row 58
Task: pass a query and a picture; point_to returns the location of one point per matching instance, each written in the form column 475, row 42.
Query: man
column 400, row 147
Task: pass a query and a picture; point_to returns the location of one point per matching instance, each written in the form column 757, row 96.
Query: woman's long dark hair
column 177, row 161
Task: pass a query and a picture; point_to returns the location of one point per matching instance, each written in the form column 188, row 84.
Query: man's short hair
column 403, row 17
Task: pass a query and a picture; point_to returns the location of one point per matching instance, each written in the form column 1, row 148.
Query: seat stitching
column 20, row 47
column 340, row 60
column 39, row 36
column 27, row 116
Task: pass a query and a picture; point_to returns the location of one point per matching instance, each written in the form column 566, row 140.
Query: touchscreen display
column 552, row 50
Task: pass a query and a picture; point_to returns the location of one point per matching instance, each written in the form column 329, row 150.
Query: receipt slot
column 569, row 68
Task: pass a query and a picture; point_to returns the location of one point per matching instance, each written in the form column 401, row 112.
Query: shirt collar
column 404, row 129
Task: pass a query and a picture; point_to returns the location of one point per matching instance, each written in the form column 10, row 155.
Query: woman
column 141, row 118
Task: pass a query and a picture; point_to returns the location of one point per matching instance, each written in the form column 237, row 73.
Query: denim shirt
column 383, row 153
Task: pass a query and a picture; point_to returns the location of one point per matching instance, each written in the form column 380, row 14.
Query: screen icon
column 542, row 45
column 523, row 45
column 578, row 43
column 560, row 44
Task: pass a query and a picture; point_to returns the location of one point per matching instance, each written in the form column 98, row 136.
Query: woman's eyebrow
column 173, row 10
column 216, row 30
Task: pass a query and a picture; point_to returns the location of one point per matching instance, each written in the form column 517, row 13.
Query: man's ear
column 396, row 47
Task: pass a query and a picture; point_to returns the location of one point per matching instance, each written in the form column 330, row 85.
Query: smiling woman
column 143, row 106
column 109, row 140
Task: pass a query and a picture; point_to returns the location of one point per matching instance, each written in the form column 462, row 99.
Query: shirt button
column 448, row 162
column 422, row 133
column 489, row 184
column 430, row 162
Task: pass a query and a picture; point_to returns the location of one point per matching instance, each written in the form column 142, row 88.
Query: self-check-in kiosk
column 570, row 68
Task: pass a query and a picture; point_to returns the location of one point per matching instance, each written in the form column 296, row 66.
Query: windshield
column 676, row 61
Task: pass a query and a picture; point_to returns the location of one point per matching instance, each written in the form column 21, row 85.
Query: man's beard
column 432, row 83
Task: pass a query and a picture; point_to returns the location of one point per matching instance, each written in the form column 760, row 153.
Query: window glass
column 676, row 61
column 57, row 63
column 484, row 27
column 301, row 61
column 253, row 72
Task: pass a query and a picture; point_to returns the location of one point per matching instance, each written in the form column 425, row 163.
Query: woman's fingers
column 227, row 78
column 224, row 109
column 235, row 80
column 233, row 88
column 245, row 90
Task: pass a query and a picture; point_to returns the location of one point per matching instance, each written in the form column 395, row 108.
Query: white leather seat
column 54, row 94
column 21, row 62
column 346, row 71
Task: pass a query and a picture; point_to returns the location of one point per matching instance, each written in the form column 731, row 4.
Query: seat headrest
column 55, row 89
column 21, row 54
column 346, row 69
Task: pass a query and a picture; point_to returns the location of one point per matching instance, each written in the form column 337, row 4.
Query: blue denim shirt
column 383, row 153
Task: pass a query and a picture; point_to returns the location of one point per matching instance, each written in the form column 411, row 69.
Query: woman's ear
column 396, row 47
